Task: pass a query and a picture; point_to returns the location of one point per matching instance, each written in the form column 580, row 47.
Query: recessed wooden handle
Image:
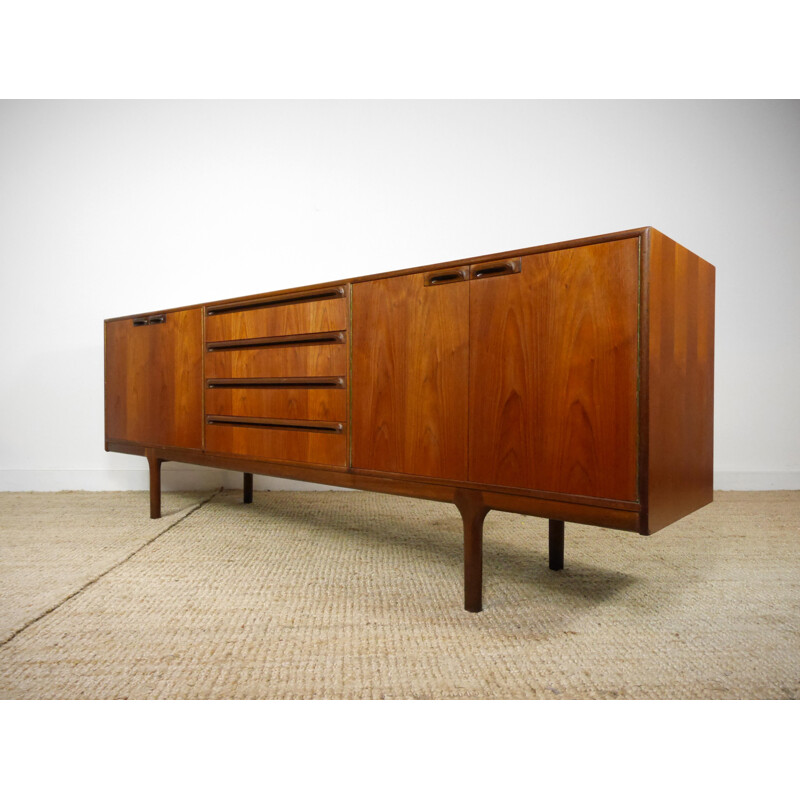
column 312, row 426
column 495, row 269
column 309, row 296
column 292, row 340
column 275, row 383
column 445, row 276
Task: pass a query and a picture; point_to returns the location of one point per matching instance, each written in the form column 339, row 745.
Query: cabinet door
column 553, row 372
column 154, row 379
column 410, row 374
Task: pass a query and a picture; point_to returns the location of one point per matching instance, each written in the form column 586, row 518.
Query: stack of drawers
column 276, row 372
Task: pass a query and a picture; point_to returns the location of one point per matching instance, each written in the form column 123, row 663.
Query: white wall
column 110, row 208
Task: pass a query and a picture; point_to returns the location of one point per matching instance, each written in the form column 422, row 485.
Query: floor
column 359, row 595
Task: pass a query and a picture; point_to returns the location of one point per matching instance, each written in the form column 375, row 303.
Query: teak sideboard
column 572, row 381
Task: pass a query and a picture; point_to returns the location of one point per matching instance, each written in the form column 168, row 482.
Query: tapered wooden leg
column 155, row 486
column 248, row 488
column 473, row 512
column 556, row 544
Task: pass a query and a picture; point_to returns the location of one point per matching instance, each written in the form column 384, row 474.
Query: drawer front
column 281, row 403
column 266, row 443
column 275, row 362
column 279, row 320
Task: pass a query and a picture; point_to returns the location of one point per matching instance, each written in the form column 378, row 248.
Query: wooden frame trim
column 564, row 509
column 586, row 500
column 644, row 379
column 203, row 389
column 349, row 401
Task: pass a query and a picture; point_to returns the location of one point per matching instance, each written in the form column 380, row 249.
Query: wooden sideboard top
column 608, row 237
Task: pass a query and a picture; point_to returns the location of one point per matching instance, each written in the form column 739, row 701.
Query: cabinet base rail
column 473, row 505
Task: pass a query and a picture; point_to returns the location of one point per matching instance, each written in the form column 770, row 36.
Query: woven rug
column 359, row 595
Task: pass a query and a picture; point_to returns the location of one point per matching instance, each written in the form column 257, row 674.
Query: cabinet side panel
column 681, row 382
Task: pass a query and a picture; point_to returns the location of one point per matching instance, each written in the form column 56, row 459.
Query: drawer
column 295, row 402
column 303, row 312
column 274, row 361
column 276, row 440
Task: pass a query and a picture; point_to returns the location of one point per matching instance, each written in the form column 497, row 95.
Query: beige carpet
column 356, row 595
column 53, row 544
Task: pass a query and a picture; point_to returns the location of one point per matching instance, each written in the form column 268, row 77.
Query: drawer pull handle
column 497, row 269
column 275, row 383
column 156, row 319
column 293, row 340
column 449, row 276
column 281, row 300
column 277, row 424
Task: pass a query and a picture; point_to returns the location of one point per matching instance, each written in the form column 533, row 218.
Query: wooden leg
column 248, row 487
column 556, row 544
column 473, row 512
column 155, row 486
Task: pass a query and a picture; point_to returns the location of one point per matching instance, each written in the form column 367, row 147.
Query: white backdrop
column 110, row 208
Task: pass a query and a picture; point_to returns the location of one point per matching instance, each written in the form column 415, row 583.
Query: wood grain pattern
column 553, row 373
column 681, row 382
column 154, row 381
column 312, row 317
column 410, row 377
column 324, row 404
column 278, row 445
column 274, row 362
